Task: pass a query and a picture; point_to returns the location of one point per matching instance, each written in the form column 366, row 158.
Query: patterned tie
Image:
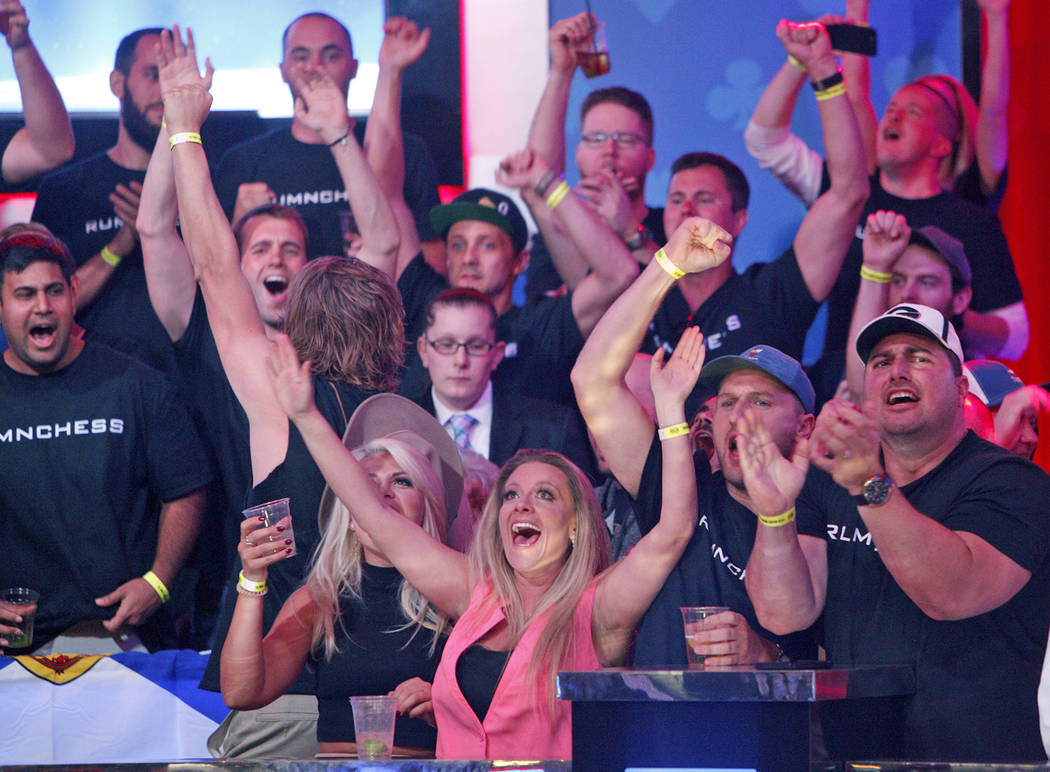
column 462, row 424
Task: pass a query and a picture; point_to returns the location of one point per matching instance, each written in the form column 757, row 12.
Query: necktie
column 461, row 424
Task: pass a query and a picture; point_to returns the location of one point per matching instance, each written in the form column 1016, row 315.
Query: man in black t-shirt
column 92, row 206
column 101, row 472
column 937, row 556
column 763, row 384
column 771, row 303
column 294, row 167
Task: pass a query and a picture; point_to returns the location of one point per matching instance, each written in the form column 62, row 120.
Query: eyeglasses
column 475, row 348
column 621, row 138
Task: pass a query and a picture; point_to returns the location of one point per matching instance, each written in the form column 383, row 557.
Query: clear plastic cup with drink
column 21, row 601
column 692, row 623
column 374, row 725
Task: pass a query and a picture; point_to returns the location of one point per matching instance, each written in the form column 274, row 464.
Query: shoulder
column 260, row 144
column 89, row 167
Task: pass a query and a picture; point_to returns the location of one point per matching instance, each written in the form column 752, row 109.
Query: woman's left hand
column 414, row 700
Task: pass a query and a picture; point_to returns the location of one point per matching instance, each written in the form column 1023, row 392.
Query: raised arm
column 620, row 425
column 611, row 266
column 232, row 315
column 786, row 575
column 992, row 134
column 547, row 131
column 436, row 570
column 321, row 106
column 857, row 71
column 169, row 273
column 628, row 587
column 886, row 236
column 46, row 141
column 402, row 46
column 829, row 226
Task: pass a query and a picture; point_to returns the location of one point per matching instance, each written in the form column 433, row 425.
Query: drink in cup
column 22, row 601
column 594, row 60
column 374, row 725
column 275, row 513
column 692, row 622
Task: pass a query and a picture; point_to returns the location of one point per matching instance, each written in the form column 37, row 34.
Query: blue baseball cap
column 991, row 381
column 771, row 361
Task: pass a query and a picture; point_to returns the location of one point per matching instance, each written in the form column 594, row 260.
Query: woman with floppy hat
column 356, row 619
column 534, row 595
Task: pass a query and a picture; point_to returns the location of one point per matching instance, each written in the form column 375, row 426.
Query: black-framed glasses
column 621, row 138
column 475, row 348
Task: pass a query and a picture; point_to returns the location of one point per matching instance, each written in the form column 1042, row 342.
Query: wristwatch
column 639, row 239
column 874, row 492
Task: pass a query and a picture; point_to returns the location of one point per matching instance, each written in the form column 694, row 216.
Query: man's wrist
column 822, row 68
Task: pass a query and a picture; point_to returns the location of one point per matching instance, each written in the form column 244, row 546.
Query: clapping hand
column 674, row 381
column 772, row 481
column 184, row 90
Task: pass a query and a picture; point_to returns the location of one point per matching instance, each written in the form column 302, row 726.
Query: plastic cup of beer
column 21, row 601
column 374, row 725
column 594, row 60
column 692, row 622
column 274, row 513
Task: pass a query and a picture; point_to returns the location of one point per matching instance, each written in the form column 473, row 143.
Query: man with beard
column 101, row 491
column 92, row 206
column 763, row 383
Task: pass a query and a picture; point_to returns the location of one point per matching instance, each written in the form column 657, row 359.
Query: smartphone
column 853, row 38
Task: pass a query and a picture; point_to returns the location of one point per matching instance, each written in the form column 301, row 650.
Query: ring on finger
column 248, row 542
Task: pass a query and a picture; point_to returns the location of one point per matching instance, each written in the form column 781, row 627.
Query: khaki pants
column 285, row 729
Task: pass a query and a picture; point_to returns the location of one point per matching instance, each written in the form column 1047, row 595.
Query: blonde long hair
column 958, row 124
column 589, row 556
column 336, row 571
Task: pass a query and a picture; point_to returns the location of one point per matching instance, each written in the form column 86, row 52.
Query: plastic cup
column 22, row 601
column 594, row 60
column 374, row 725
column 276, row 513
column 692, row 618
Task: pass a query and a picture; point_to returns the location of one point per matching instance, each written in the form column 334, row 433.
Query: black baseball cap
column 488, row 206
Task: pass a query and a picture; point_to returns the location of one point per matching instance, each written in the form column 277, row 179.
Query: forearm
column 370, row 207
column 385, row 152
column 169, row 272
column 857, row 71
column 92, row 276
column 990, row 334
column 872, row 300
column 568, row 262
column 609, row 351
column 179, row 524
column 945, row 573
column 242, row 671
column 547, row 131
column 779, row 581
column 48, row 129
column 992, row 134
column 777, row 103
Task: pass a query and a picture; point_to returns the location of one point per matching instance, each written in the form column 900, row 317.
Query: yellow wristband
column 665, row 262
column 831, row 93
column 249, row 585
column 794, row 62
column 670, row 432
column 158, row 586
column 184, row 136
column 109, row 257
column 779, row 520
column 558, row 194
column 876, row 276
